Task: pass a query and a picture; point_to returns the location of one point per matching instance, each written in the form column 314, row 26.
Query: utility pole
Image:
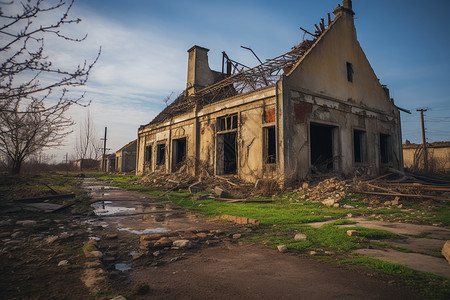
column 104, row 151
column 424, row 141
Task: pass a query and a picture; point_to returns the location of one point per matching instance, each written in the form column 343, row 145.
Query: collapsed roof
column 240, row 79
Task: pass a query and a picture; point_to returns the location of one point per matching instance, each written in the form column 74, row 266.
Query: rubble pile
column 329, row 192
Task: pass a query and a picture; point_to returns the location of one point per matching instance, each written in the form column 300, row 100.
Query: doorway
column 322, row 147
column 226, row 153
column 179, row 153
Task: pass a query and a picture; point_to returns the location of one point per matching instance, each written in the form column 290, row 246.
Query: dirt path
column 217, row 266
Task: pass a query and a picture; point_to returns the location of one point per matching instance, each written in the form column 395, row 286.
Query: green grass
column 432, row 286
column 120, row 178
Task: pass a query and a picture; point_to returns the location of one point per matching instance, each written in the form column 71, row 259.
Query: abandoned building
column 317, row 108
column 108, row 163
column 126, row 158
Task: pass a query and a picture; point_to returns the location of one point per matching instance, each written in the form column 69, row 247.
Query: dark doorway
column 321, row 147
column 385, row 153
column 359, row 146
column 179, row 152
column 229, row 153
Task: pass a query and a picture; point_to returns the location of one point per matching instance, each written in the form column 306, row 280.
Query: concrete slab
column 416, row 261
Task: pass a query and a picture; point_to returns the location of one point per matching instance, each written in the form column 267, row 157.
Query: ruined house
column 317, row 108
column 126, row 158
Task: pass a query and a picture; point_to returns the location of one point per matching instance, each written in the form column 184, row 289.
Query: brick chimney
column 199, row 74
column 345, row 8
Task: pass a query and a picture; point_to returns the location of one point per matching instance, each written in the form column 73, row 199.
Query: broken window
column 270, row 145
column 349, row 72
column 179, row 152
column 228, row 122
column 359, row 146
column 385, row 148
column 322, row 147
column 148, row 154
column 161, row 154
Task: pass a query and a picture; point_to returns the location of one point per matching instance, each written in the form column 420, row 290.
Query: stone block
column 182, row 243
column 352, row 233
column 300, row 237
column 163, row 242
column 221, row 192
column 282, row 248
column 196, row 187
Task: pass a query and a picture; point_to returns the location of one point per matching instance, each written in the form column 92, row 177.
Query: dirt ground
column 215, row 265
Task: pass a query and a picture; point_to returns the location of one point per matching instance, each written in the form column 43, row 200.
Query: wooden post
column 424, row 141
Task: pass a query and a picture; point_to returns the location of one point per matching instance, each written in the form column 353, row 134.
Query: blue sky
column 144, row 56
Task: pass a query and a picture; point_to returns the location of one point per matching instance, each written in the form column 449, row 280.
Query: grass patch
column 432, row 286
column 120, row 178
column 343, row 222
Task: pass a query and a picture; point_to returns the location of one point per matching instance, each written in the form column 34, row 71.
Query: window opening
column 349, row 72
column 161, row 154
column 148, row 154
column 359, row 146
column 228, row 123
column 385, row 148
column 270, row 145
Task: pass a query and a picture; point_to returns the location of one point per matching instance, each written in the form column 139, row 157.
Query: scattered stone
column 63, row 263
column 395, row 201
column 387, row 203
column 111, row 236
column 163, row 242
column 237, row 236
column 312, row 252
column 305, row 185
column 349, row 215
column 329, row 253
column 16, row 234
column 4, row 234
column 51, row 239
column 157, row 253
column 182, row 244
column 137, row 255
column 300, row 237
column 400, row 205
column 240, row 220
column 221, row 192
column 328, row 202
column 93, row 264
column 144, row 245
column 5, row 223
column 352, row 233
column 151, row 237
column 96, row 254
column 336, row 205
column 201, row 235
column 282, row 248
column 196, row 187
column 348, row 206
column 27, row 223
column 140, row 289
column 446, row 251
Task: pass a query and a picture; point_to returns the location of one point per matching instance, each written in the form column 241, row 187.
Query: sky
column 144, row 53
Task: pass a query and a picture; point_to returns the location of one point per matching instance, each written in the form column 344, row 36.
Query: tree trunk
column 16, row 165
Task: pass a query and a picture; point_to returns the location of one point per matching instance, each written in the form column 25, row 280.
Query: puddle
column 102, row 208
column 122, row 266
column 145, row 231
column 132, row 253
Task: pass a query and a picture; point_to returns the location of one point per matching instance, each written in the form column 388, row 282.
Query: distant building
column 318, row 108
column 108, row 163
column 126, row 158
column 88, row 164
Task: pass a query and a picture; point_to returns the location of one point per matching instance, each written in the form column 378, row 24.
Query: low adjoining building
column 438, row 156
column 126, row 158
column 317, row 108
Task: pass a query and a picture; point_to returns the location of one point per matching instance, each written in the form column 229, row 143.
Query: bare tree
column 34, row 93
column 88, row 145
